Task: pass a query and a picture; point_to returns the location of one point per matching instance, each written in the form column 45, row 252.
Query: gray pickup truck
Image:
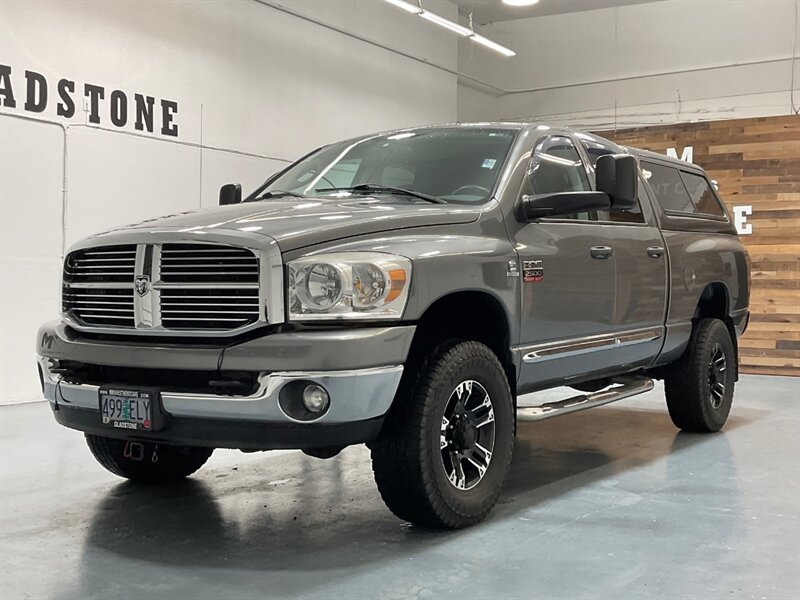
column 403, row 290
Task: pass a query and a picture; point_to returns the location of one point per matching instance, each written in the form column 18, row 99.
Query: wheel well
column 475, row 316
column 713, row 304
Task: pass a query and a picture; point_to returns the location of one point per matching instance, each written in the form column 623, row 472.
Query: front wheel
column 146, row 462
column 444, row 454
column 699, row 386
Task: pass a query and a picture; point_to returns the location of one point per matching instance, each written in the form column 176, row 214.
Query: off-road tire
column 172, row 463
column 407, row 459
column 688, row 383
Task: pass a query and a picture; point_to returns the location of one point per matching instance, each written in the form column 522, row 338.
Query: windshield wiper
column 277, row 194
column 383, row 189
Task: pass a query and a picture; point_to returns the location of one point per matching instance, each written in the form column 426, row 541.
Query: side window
column 701, row 195
column 556, row 167
column 668, row 187
column 595, row 150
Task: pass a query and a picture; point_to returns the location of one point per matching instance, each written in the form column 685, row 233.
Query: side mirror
column 230, row 193
column 617, row 176
column 564, row 203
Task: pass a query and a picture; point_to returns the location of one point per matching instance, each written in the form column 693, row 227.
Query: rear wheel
column 699, row 387
column 146, row 462
column 445, row 451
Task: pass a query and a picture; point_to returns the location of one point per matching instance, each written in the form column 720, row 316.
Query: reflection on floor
column 608, row 503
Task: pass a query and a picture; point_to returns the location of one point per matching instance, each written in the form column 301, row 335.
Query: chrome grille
column 85, row 295
column 152, row 288
column 223, row 308
column 208, row 264
column 109, row 263
column 101, row 307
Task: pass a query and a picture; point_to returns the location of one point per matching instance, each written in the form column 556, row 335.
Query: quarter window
column 682, row 191
column 702, row 197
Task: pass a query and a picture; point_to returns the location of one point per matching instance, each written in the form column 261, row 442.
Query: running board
column 625, row 387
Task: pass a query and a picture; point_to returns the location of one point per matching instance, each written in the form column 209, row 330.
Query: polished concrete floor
column 609, row 503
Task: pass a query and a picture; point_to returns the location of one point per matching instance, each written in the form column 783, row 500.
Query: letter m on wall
column 687, row 155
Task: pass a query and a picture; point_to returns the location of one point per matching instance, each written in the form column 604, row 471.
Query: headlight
column 348, row 285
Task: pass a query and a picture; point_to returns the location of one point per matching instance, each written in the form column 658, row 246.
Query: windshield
column 455, row 165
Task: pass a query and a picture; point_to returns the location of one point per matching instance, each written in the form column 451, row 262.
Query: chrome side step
column 623, row 387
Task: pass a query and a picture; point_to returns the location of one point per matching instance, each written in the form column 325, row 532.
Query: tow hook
column 133, row 451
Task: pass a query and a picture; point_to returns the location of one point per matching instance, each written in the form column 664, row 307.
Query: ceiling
column 488, row 11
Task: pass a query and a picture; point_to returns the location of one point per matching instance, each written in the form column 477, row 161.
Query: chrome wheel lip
column 467, row 435
column 717, row 373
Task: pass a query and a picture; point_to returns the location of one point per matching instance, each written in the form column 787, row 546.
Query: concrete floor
column 608, row 503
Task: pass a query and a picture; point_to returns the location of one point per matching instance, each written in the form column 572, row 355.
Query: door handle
column 601, row 252
column 655, row 251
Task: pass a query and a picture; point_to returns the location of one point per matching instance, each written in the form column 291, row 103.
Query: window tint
column 595, row 150
column 633, row 215
column 556, row 167
column 668, row 187
column 701, row 195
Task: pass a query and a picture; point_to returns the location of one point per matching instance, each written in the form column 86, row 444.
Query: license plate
column 124, row 408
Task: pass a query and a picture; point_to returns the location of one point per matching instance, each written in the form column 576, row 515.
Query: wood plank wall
column 757, row 163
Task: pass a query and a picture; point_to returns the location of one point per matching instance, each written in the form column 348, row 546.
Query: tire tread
column 402, row 472
column 685, row 385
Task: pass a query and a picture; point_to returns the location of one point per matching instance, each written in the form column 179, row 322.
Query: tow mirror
column 230, row 193
column 563, row 203
column 617, row 176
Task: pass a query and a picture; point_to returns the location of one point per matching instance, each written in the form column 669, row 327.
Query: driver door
column 568, row 288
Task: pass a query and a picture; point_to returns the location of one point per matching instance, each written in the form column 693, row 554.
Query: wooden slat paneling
column 757, row 163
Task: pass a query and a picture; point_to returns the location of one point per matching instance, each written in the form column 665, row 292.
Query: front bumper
column 359, row 397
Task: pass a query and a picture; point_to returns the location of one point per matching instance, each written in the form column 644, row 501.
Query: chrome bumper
column 355, row 395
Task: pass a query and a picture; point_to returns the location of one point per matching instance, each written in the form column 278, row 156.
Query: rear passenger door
column 699, row 237
column 640, row 274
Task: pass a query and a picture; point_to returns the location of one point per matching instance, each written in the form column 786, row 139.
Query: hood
column 298, row 222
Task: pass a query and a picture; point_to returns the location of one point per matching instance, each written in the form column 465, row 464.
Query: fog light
column 315, row 398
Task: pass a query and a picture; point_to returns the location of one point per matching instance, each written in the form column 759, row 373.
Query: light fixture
column 520, row 2
column 446, row 23
column 467, row 32
column 412, row 8
column 493, row 45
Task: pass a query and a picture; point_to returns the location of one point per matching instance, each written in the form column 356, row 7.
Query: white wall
column 661, row 62
column 257, row 85
column 476, row 103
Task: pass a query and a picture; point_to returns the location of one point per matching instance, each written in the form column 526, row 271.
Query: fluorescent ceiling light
column 455, row 27
column 446, row 23
column 412, row 8
column 520, row 2
column 493, row 45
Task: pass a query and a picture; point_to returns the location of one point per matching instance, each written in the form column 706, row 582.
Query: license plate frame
column 126, row 408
